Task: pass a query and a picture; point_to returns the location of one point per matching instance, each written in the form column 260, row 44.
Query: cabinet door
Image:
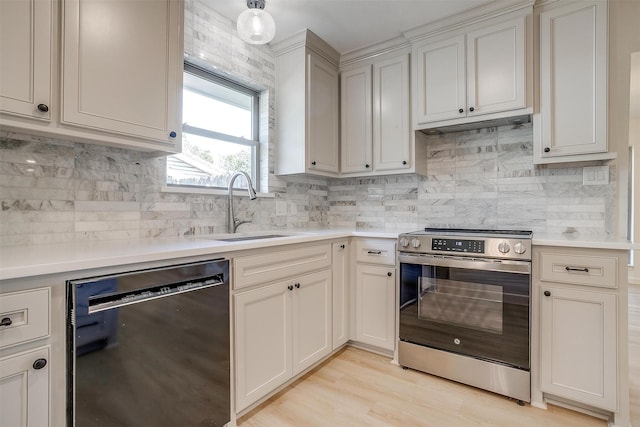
column 122, row 67
column 311, row 318
column 578, row 345
column 262, row 341
column 573, row 79
column 25, row 57
column 440, row 80
column 24, row 390
column 496, row 68
column 356, row 120
column 375, row 306
column 322, row 115
column 391, row 134
column 340, row 285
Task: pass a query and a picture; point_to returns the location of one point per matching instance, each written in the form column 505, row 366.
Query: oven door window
column 483, row 314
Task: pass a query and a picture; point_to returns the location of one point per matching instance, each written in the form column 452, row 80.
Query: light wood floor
column 358, row 388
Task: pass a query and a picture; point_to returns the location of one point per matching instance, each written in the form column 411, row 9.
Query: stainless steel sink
column 257, row 237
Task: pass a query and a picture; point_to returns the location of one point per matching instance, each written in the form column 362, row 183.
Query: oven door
column 477, row 308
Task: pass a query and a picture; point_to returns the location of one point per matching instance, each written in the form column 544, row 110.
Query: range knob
column 504, row 247
column 404, row 242
column 415, row 243
column 519, row 248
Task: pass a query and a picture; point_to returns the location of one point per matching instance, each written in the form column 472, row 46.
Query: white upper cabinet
column 474, row 73
column 307, row 120
column 572, row 122
column 322, row 115
column 120, row 64
column 119, row 67
column 25, row 58
column 391, row 120
column 441, row 88
column 356, row 120
column 496, row 77
column 375, row 117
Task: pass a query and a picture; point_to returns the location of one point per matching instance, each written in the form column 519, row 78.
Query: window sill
column 212, row 191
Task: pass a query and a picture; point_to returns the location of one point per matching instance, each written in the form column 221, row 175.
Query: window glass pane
column 208, row 162
column 208, row 105
column 219, row 134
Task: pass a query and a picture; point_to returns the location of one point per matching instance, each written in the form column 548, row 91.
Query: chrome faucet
column 232, row 222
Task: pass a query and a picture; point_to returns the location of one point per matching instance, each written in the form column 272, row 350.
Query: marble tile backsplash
column 477, row 178
column 56, row 191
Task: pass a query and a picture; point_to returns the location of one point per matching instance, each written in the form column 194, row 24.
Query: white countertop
column 577, row 241
column 36, row 260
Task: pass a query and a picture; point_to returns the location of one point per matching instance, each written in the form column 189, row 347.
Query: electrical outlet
column 595, row 175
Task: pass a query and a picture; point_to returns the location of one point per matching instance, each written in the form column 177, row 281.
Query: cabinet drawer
column 278, row 265
column 25, row 315
column 376, row 251
column 579, row 269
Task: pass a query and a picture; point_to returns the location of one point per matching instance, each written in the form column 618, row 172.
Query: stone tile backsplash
column 56, row 191
column 477, row 178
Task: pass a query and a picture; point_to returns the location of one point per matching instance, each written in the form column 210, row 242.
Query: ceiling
column 349, row 25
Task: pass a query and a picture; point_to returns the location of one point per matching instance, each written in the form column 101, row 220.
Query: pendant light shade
column 254, row 25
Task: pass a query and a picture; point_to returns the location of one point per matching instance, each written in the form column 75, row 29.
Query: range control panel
column 458, row 245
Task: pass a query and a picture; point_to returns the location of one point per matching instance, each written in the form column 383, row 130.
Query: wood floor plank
column 358, row 388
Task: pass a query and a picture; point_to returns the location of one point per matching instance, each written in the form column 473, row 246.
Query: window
column 219, row 132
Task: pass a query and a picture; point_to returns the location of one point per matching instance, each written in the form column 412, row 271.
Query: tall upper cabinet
column 571, row 123
column 477, row 68
column 307, row 120
column 375, row 119
column 105, row 72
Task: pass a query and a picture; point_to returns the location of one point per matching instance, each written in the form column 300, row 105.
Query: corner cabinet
column 108, row 92
column 375, row 120
column 580, row 304
column 481, row 71
column 572, row 121
column 307, row 120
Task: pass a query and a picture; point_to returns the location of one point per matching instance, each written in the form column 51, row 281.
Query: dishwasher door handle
column 108, row 302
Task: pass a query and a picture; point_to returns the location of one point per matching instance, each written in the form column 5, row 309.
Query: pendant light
column 254, row 25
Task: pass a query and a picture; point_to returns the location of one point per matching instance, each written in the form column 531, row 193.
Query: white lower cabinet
column 375, row 293
column 375, row 306
column 580, row 330
column 24, row 389
column 579, row 345
column 280, row 330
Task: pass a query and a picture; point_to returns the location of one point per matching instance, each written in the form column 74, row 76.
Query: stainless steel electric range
column 465, row 307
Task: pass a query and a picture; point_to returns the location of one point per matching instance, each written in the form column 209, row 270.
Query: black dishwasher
column 150, row 347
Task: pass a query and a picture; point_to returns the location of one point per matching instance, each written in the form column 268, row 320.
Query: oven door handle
column 488, row 264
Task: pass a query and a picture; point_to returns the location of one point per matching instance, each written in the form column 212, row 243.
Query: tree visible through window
column 219, row 132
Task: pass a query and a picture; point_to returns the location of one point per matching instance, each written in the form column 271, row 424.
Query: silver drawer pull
column 580, row 269
column 374, row 252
